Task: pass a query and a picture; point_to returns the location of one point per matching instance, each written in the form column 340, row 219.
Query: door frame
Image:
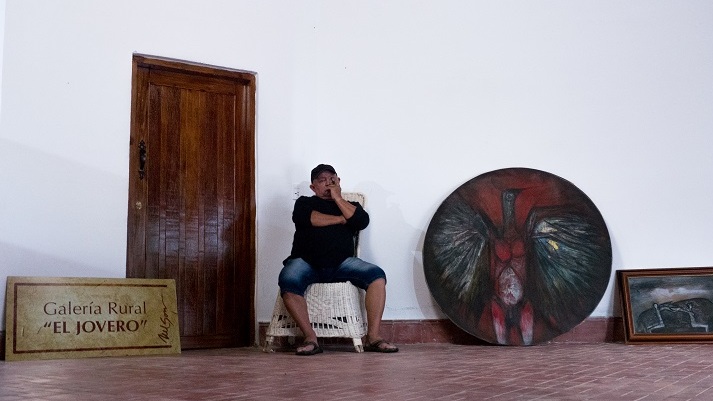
column 136, row 221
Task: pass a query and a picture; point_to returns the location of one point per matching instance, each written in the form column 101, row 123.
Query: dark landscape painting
column 667, row 305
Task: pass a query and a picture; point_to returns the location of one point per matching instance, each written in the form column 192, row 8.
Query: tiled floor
column 602, row 371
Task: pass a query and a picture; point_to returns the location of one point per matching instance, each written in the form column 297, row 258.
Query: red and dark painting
column 517, row 256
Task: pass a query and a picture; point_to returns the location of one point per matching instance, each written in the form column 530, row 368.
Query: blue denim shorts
column 297, row 274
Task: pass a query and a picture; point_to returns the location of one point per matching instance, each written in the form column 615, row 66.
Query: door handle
column 142, row 159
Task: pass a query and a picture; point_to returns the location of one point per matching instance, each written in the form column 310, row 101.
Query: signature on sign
column 166, row 323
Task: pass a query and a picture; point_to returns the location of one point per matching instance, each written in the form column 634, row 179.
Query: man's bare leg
column 297, row 306
column 375, row 302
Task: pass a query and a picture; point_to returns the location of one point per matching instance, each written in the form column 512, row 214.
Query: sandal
column 316, row 349
column 376, row 347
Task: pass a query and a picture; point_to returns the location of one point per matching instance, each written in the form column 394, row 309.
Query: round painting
column 517, row 256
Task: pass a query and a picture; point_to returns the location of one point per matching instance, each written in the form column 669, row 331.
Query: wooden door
column 191, row 194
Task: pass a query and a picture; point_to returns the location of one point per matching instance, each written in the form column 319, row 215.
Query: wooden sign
column 53, row 317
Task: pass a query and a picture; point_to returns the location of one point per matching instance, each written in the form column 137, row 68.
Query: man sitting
column 323, row 252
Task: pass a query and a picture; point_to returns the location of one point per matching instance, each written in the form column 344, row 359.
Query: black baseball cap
column 320, row 169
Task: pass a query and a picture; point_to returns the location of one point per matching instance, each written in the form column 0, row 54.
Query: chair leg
column 268, row 344
column 358, row 346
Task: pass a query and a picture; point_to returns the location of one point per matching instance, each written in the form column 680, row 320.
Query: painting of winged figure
column 517, row 256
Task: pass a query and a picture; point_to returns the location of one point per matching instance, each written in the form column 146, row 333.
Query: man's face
column 321, row 183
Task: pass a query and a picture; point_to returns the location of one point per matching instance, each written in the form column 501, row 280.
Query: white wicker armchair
column 335, row 309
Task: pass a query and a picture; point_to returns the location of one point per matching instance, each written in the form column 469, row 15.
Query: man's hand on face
column 335, row 189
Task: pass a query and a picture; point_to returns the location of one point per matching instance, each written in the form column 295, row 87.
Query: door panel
column 198, row 223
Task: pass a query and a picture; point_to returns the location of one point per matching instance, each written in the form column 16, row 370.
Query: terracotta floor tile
column 602, row 371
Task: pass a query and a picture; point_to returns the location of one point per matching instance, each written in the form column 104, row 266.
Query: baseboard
column 592, row 330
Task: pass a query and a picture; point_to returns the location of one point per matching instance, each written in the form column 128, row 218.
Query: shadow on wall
column 613, row 296
column 18, row 261
column 275, row 233
column 426, row 300
column 60, row 206
column 59, row 217
column 395, row 245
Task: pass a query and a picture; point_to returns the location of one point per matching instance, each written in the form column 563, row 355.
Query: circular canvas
column 517, row 256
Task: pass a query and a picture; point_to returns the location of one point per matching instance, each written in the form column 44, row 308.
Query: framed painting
column 667, row 305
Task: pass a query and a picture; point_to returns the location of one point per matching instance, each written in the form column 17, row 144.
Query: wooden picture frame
column 673, row 305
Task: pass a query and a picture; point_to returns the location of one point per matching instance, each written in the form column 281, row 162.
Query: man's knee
column 379, row 281
column 288, row 296
column 290, row 285
column 367, row 275
column 295, row 277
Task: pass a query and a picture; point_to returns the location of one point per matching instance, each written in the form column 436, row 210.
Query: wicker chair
column 335, row 309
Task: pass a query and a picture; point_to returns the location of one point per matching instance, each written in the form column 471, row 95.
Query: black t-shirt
column 324, row 247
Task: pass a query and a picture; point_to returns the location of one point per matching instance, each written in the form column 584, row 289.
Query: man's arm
column 347, row 209
column 322, row 220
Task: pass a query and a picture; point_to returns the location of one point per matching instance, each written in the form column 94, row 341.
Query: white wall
column 2, row 42
column 408, row 99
